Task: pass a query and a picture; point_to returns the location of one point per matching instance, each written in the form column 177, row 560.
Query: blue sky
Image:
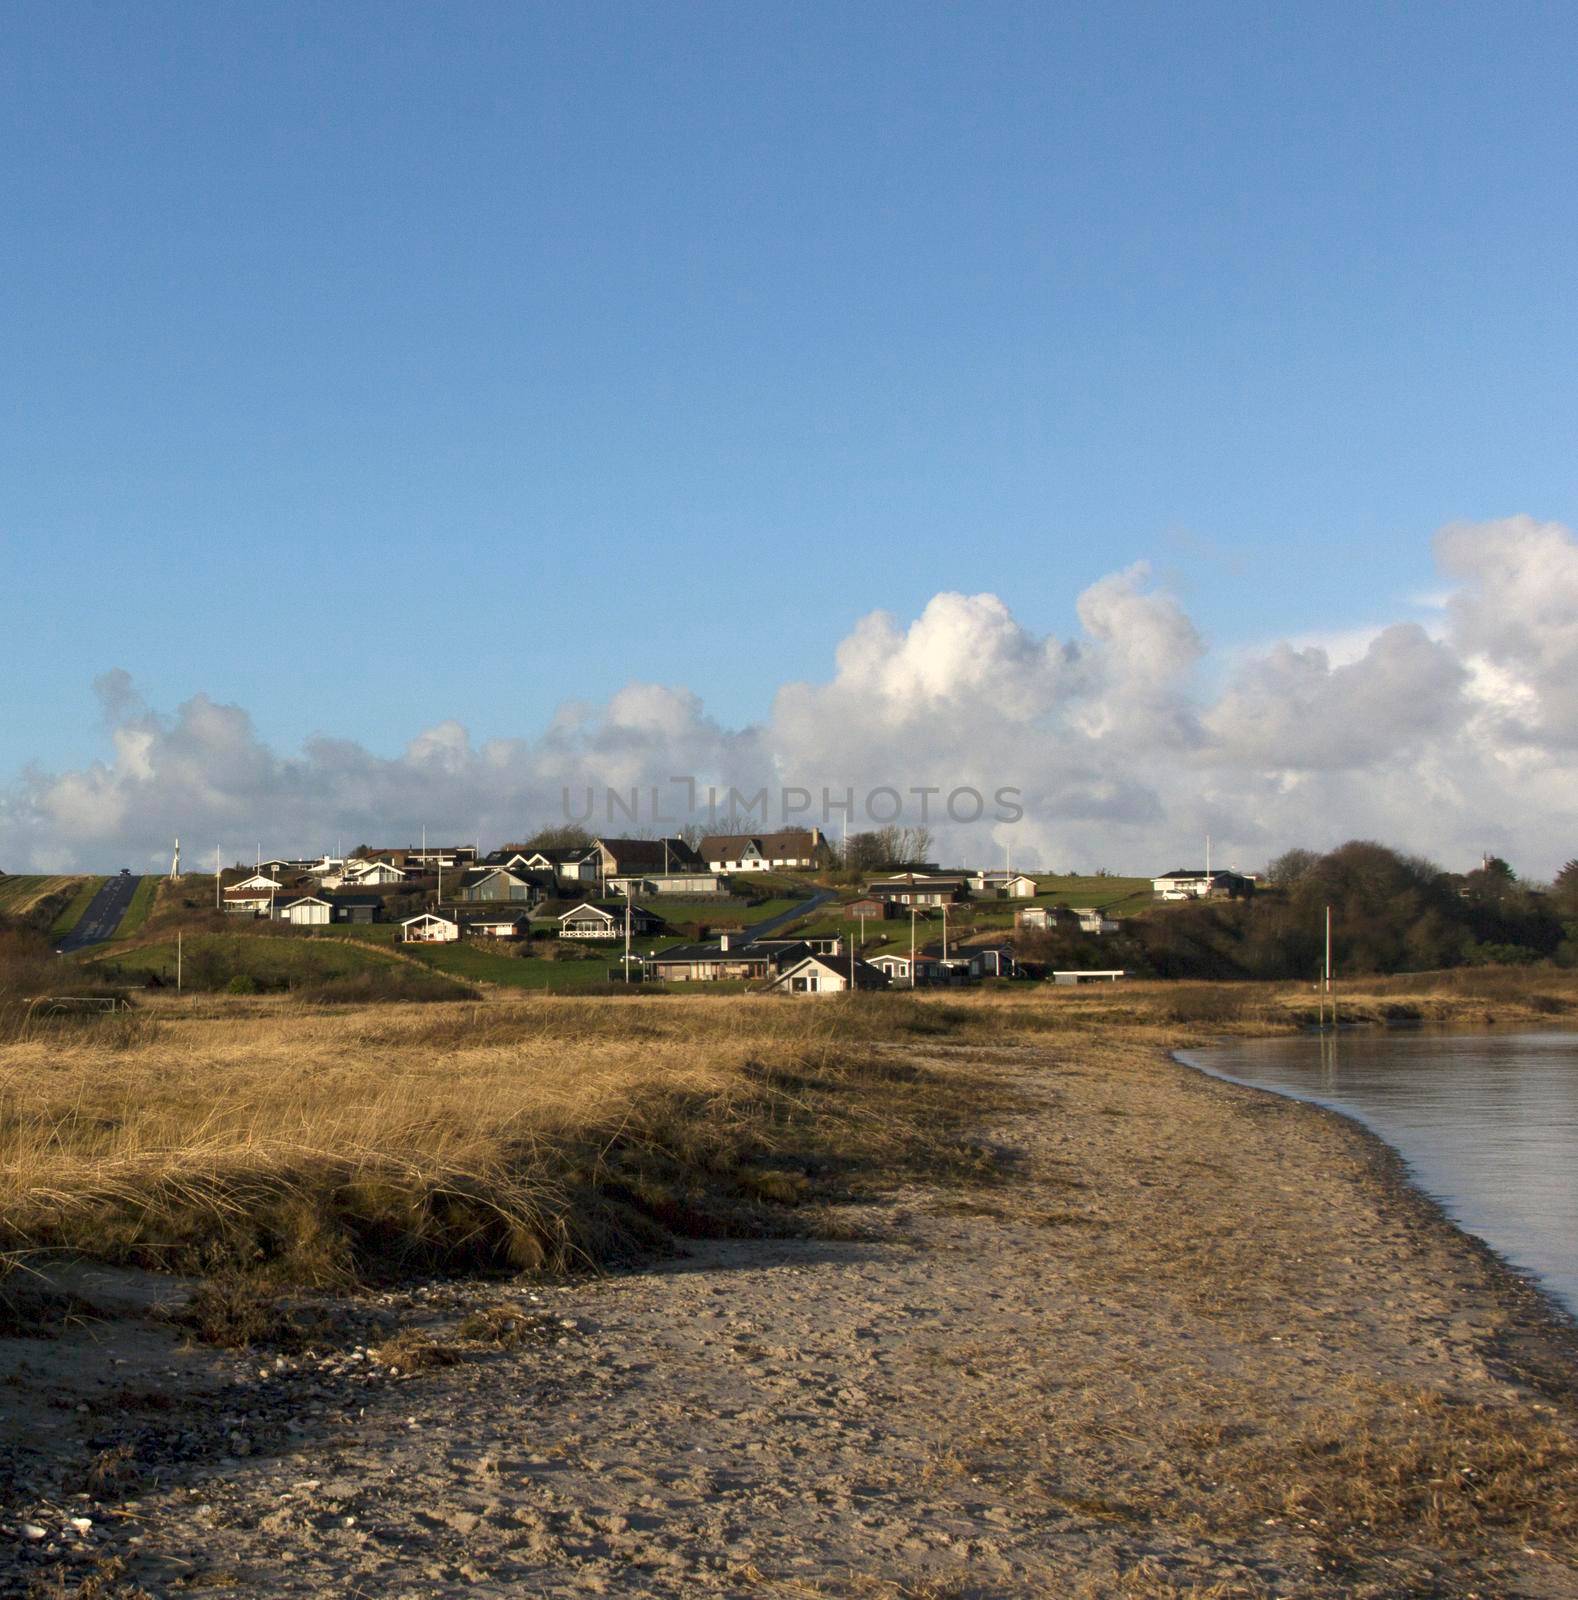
column 602, row 343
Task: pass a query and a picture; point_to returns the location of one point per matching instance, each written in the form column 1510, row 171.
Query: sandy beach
column 1192, row 1340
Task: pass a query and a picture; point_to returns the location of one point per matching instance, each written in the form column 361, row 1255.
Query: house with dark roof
column 592, row 921
column 916, row 889
column 565, row 863
column 827, row 975
column 623, row 858
column 357, row 907
column 790, row 849
column 730, row 956
column 500, row 883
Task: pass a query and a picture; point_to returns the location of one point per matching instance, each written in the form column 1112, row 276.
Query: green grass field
column 71, row 912
column 1121, row 897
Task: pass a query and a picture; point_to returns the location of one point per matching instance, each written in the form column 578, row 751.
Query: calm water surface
column 1487, row 1121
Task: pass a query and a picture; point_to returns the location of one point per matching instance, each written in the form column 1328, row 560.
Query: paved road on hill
column 801, row 908
column 103, row 915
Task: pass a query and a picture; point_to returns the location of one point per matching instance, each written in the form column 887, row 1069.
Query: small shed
column 358, row 907
column 311, row 911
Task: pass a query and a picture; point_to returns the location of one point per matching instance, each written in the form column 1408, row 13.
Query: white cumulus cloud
column 1449, row 740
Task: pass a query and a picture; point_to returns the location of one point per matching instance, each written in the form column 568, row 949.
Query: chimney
column 816, row 837
column 725, row 941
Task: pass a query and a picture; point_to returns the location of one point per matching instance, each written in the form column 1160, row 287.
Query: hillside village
column 822, row 934
column 778, row 911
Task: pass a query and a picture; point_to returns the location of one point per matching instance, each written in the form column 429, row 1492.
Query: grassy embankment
column 244, row 962
column 36, row 900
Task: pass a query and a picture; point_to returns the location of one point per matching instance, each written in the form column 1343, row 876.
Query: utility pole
column 912, row 943
column 218, row 902
column 627, row 932
column 177, row 960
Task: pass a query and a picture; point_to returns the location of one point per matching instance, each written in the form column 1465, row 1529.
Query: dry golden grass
column 217, row 1133
column 542, row 1133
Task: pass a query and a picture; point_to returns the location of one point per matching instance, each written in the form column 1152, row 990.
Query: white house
column 429, row 928
column 308, row 912
column 258, row 881
column 363, row 873
column 249, row 902
column 1195, row 883
column 820, row 975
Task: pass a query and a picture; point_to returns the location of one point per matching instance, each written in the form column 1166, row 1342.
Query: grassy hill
column 256, row 962
column 38, row 899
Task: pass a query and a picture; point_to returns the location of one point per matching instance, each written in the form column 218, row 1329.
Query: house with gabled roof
column 622, row 858
column 730, row 956
column 1003, row 885
column 429, row 927
column 789, row 849
column 592, row 921
column 357, row 907
column 918, row 889
column 500, row 883
column 567, row 863
column 260, row 880
column 373, row 873
column 827, row 975
column 310, row 911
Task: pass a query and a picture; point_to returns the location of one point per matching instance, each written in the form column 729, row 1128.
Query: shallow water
column 1488, row 1123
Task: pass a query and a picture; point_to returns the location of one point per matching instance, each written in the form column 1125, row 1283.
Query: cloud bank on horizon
column 1449, row 740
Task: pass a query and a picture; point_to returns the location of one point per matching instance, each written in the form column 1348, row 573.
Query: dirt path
column 1199, row 1344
